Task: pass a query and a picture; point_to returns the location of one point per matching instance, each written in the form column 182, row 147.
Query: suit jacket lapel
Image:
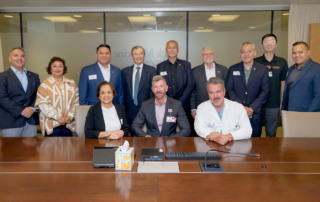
column 14, row 76
column 218, row 71
column 113, row 78
column 153, row 111
column 168, row 106
column 241, row 70
column 99, row 116
column 30, row 82
column 252, row 74
column 179, row 71
column 129, row 81
column 143, row 77
column 99, row 73
column 302, row 73
column 166, row 68
column 202, row 74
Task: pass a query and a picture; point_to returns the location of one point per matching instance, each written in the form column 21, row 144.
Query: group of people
column 217, row 103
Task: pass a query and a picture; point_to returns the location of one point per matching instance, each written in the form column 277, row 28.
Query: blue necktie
column 136, row 86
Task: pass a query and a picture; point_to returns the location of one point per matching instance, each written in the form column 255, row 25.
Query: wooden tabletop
column 52, row 169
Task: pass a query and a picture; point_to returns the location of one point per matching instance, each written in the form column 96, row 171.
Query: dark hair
column 104, row 83
column 104, row 46
column 57, row 59
column 269, row 35
column 19, row 48
column 301, row 43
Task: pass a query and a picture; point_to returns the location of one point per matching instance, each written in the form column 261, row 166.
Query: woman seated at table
column 57, row 97
column 105, row 119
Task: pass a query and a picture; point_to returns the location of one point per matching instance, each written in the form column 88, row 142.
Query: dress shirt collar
column 52, row 80
column 296, row 65
column 135, row 66
column 15, row 70
column 213, row 66
column 165, row 102
column 102, row 68
column 274, row 59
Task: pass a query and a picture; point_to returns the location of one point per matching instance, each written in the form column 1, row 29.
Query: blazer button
column 244, row 101
column 245, row 93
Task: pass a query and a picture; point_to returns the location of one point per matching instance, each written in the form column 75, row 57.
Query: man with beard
column 161, row 114
column 219, row 119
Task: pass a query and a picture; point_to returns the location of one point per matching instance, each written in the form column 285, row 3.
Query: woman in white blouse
column 57, row 97
column 106, row 119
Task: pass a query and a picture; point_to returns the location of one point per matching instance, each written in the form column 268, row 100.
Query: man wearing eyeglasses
column 137, row 82
column 277, row 67
column 202, row 74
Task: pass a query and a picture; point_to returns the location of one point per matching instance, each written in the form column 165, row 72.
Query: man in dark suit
column 248, row 84
column 137, row 82
column 161, row 114
column 102, row 70
column 178, row 75
column 18, row 91
column 302, row 89
column 201, row 74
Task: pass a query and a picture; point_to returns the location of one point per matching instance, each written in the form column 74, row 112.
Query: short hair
column 207, row 47
column 269, row 35
column 300, row 43
column 248, row 43
column 104, row 83
column 53, row 59
column 104, row 46
column 216, row 81
column 159, row 78
column 135, row 48
column 18, row 48
column 174, row 42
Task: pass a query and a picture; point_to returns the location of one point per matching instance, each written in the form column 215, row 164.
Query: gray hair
column 216, row 81
column 207, row 47
column 17, row 48
column 248, row 43
column 159, row 78
column 174, row 42
column 135, row 48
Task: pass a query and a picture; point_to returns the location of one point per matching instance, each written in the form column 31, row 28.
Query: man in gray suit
column 161, row 114
column 201, row 74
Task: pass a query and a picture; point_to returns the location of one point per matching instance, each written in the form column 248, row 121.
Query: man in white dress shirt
column 219, row 119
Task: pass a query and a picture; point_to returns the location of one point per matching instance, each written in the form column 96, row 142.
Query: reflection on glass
column 280, row 29
column 9, row 35
column 72, row 36
column 225, row 32
column 151, row 30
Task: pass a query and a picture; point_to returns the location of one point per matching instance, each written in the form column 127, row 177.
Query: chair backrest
column 80, row 118
column 300, row 124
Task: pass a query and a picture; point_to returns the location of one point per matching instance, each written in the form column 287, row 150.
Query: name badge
column 270, row 74
column 236, row 73
column 92, row 77
column 163, row 73
column 171, row 119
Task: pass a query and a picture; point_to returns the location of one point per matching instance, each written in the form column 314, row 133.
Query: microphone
column 205, row 158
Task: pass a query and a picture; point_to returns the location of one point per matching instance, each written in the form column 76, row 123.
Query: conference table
column 60, row 169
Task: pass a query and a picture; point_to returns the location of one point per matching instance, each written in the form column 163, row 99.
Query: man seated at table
column 161, row 114
column 219, row 119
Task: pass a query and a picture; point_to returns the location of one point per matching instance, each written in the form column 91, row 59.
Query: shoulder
column 281, row 60
column 147, row 102
column 173, row 101
column 315, row 65
column 88, row 68
column 127, row 69
column 258, row 59
column 197, row 68
column 184, row 62
column 260, row 66
column 148, row 67
column 32, row 73
column 204, row 105
column 118, row 107
column 4, row 74
column 163, row 63
column 221, row 66
column 235, row 66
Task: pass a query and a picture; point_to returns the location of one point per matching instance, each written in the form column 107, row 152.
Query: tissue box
column 124, row 160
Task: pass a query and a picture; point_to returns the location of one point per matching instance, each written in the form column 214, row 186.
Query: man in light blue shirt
column 18, row 91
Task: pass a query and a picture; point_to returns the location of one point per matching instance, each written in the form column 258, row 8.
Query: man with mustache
column 161, row 114
column 220, row 119
column 248, row 84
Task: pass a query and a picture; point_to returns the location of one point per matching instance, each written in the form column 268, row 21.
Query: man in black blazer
column 248, row 84
column 18, row 91
column 201, row 74
column 138, row 74
column 161, row 114
column 178, row 75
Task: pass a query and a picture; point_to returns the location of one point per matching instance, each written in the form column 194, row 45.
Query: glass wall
column 9, row 36
column 150, row 30
column 71, row 36
column 280, row 29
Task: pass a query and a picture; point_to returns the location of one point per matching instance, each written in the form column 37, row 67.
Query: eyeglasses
column 208, row 54
column 267, row 42
column 138, row 54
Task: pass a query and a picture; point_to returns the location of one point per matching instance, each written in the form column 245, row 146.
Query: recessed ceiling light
column 149, row 28
column 77, row 16
column 168, row 23
column 224, row 18
column 215, row 15
column 201, row 27
column 252, row 27
column 203, row 30
column 146, row 15
column 8, row 16
column 88, row 31
column 60, row 18
column 99, row 27
column 285, row 14
column 119, row 23
column 136, row 19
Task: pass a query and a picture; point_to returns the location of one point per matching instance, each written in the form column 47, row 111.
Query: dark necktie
column 136, row 86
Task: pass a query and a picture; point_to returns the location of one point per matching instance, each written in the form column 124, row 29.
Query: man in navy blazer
column 18, row 91
column 248, row 84
column 302, row 89
column 178, row 75
column 135, row 95
column 102, row 70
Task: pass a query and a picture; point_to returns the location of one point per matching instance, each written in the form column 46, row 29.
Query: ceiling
column 144, row 5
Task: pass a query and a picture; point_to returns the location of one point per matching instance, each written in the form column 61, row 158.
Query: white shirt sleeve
column 200, row 122
column 245, row 129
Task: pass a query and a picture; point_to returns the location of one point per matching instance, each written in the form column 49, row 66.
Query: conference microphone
column 205, row 158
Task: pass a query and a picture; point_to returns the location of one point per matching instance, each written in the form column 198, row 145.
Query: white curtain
column 1, row 58
column 300, row 16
